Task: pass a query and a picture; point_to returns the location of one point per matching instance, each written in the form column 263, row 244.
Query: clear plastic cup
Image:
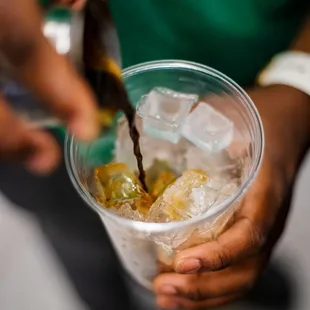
column 148, row 248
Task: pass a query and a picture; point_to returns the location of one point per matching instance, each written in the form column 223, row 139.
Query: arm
column 239, row 255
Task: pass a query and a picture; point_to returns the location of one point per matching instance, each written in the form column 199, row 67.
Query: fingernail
column 167, row 290
column 188, row 265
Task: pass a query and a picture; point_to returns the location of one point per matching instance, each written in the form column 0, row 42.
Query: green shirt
column 237, row 37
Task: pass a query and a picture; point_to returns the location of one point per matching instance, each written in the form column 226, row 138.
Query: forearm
column 288, row 107
column 285, row 116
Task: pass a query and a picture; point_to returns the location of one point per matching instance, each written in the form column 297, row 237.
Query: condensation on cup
column 202, row 142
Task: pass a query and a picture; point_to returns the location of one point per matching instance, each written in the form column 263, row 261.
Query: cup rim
column 154, row 228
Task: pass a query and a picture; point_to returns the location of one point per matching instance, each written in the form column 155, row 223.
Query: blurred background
column 55, row 253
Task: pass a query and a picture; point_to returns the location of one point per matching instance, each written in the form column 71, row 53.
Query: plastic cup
column 148, row 248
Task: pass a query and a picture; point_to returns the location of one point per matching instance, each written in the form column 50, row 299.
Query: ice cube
column 224, row 173
column 203, row 198
column 123, row 151
column 221, row 199
column 118, row 181
column 196, row 159
column 230, row 188
column 208, row 129
column 163, row 112
column 152, row 149
column 125, row 210
column 177, row 203
column 141, row 204
column 224, row 187
column 99, row 192
column 163, row 180
column 118, row 186
column 220, row 167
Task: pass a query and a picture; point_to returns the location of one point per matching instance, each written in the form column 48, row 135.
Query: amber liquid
column 112, row 95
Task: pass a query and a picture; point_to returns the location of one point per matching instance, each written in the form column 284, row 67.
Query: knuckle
column 257, row 237
column 195, row 295
column 192, row 290
column 223, row 258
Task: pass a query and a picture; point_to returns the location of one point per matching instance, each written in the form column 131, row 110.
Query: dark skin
column 50, row 77
column 221, row 271
column 230, row 266
column 206, row 275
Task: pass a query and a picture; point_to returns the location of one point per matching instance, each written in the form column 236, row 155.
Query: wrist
column 298, row 110
column 285, row 113
column 291, row 68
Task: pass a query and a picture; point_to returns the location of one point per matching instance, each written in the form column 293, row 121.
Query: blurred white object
column 291, row 68
column 208, row 129
column 31, row 277
column 163, row 112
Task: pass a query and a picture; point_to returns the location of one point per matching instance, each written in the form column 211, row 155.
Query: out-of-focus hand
column 223, row 270
column 50, row 77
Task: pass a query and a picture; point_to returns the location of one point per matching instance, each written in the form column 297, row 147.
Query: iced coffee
column 201, row 150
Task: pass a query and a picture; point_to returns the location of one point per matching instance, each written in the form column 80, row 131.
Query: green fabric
column 58, row 14
column 237, row 37
column 59, row 132
column 45, row 3
column 52, row 12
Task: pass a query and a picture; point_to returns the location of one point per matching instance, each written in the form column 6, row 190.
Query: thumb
column 245, row 237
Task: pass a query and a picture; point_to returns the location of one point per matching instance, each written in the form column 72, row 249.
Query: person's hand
column 50, row 77
column 225, row 269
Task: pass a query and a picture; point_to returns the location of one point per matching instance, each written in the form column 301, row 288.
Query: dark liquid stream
column 109, row 89
column 112, row 94
column 134, row 134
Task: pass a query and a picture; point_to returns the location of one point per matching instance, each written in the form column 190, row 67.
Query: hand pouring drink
column 89, row 39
